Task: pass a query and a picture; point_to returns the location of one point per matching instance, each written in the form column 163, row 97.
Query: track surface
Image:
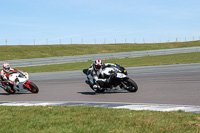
column 170, row 84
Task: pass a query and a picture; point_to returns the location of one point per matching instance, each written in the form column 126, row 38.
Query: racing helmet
column 98, row 64
column 6, row 67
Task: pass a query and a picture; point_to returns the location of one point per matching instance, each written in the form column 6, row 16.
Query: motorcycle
column 21, row 83
column 117, row 76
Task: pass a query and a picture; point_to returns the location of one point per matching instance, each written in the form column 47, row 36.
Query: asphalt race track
column 170, row 84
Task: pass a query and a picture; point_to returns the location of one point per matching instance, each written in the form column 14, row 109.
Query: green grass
column 81, row 119
column 43, row 51
column 126, row 62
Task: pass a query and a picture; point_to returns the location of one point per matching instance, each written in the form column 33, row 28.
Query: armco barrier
column 82, row 58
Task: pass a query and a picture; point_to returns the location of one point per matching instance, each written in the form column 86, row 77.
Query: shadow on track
column 15, row 93
column 104, row 93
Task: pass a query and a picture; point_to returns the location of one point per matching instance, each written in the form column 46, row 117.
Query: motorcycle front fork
column 123, row 85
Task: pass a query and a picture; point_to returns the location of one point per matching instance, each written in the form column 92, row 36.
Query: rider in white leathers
column 94, row 73
column 5, row 73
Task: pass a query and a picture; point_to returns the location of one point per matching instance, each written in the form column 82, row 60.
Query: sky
column 37, row 22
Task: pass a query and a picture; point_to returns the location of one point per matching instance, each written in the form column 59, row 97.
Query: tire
column 34, row 88
column 131, row 86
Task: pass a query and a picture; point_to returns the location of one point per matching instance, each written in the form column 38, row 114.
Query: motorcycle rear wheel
column 131, row 86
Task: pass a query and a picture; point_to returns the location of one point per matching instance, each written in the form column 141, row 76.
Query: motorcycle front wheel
column 33, row 88
column 129, row 85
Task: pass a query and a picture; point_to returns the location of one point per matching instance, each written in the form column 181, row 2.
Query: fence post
column 6, row 42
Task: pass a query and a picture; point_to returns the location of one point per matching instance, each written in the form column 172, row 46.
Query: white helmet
column 98, row 64
column 6, row 67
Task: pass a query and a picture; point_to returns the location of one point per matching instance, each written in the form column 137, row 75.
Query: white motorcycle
column 21, row 83
column 117, row 76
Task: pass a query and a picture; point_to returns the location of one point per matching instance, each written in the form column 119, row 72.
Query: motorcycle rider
column 94, row 74
column 5, row 73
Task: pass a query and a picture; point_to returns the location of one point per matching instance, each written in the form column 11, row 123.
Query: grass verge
column 126, row 62
column 82, row 119
column 43, row 51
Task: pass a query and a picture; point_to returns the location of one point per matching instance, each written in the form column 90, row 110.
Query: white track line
column 137, row 106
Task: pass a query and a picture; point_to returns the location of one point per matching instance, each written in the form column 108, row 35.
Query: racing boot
column 8, row 89
column 96, row 87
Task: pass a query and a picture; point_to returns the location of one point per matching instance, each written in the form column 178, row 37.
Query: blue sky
column 98, row 21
